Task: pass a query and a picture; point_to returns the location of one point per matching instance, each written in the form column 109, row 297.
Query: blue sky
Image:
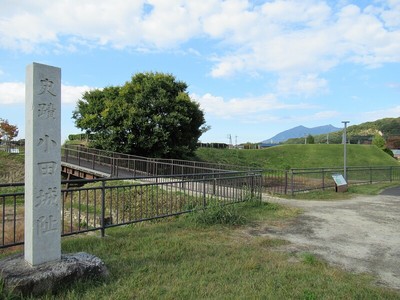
column 256, row 67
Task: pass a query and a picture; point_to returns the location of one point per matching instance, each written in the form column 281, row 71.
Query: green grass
column 177, row 259
column 353, row 191
column 299, row 156
column 11, row 167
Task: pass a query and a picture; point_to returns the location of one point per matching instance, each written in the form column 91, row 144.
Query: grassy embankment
column 307, row 156
column 299, row 156
column 183, row 258
column 180, row 258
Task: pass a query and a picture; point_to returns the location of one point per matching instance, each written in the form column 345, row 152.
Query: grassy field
column 194, row 257
column 187, row 258
column 299, row 156
column 11, row 167
column 279, row 157
column 330, row 194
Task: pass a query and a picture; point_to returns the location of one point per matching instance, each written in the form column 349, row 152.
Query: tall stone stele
column 42, row 164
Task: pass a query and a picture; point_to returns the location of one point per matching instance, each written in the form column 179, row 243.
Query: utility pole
column 230, row 140
column 345, row 149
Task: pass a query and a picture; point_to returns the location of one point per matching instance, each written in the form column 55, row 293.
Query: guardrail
column 98, row 204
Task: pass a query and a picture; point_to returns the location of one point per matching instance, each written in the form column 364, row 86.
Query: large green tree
column 151, row 115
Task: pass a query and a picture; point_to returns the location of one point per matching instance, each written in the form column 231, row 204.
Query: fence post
column 112, row 167
column 252, row 185
column 292, row 183
column 259, row 187
column 117, row 160
column 370, row 175
column 204, row 192
column 391, row 174
column 214, row 185
column 323, row 179
column 286, row 181
column 103, row 208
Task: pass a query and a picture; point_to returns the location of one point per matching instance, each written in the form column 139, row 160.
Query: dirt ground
column 359, row 235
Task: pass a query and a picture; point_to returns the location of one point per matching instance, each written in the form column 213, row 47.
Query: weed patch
column 217, row 213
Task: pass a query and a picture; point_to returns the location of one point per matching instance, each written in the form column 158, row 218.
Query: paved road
column 360, row 235
column 394, row 191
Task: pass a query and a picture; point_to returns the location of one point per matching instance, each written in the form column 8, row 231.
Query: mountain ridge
column 299, row 132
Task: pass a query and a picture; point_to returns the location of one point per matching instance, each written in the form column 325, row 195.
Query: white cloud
column 243, row 107
column 283, row 37
column 392, row 112
column 14, row 93
column 311, row 37
column 308, row 85
column 71, row 94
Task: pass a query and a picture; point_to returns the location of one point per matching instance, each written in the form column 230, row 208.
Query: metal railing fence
column 301, row 180
column 98, row 204
column 131, row 165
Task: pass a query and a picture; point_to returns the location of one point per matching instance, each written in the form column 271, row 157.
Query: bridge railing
column 117, row 164
column 98, row 204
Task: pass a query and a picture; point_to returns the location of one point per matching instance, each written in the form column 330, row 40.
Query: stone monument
column 42, row 268
column 42, row 164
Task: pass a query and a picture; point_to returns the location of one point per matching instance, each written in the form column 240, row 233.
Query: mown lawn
column 299, row 156
column 182, row 258
column 353, row 191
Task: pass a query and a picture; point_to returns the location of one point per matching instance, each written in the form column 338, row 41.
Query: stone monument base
column 20, row 277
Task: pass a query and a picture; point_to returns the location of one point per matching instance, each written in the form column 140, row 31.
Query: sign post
column 340, row 183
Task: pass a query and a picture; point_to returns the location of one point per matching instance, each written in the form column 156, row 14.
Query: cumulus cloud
column 391, row 112
column 243, row 107
column 71, row 94
column 14, row 93
column 308, row 85
column 283, row 37
column 311, row 37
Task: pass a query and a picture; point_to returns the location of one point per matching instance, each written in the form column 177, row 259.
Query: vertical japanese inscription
column 43, row 158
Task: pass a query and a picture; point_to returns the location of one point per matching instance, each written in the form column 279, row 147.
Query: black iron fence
column 300, row 180
column 94, row 205
column 124, row 165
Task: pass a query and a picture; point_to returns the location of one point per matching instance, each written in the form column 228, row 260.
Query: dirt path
column 359, row 235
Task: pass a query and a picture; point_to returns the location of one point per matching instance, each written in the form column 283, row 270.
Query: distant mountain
column 300, row 131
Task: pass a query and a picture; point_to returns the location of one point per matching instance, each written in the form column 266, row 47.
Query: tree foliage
column 7, row 131
column 379, row 141
column 310, row 139
column 151, row 115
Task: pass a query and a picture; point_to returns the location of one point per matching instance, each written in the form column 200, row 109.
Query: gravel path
column 359, row 235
